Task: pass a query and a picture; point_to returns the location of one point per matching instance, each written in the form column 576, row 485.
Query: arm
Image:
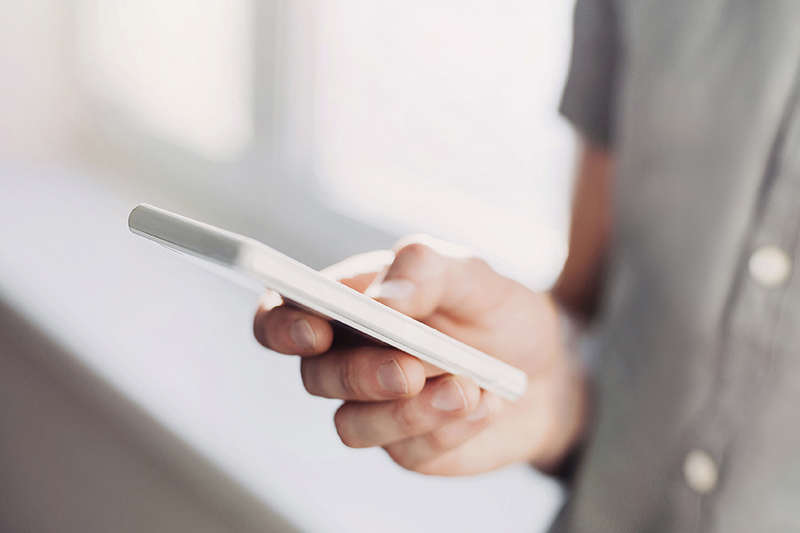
column 442, row 424
column 577, row 288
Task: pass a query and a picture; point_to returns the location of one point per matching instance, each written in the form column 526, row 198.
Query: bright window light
column 441, row 117
column 182, row 68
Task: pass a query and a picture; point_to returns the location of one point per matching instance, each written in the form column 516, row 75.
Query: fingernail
column 392, row 289
column 449, row 397
column 391, row 378
column 484, row 409
column 301, row 333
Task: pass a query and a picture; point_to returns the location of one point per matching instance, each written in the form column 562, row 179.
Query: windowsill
column 175, row 341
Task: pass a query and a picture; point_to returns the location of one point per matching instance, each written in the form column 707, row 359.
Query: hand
column 429, row 421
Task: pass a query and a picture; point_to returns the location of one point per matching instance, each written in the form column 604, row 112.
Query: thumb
column 422, row 281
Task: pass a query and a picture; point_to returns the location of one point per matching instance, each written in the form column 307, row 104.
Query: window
column 331, row 127
column 440, row 116
column 182, row 69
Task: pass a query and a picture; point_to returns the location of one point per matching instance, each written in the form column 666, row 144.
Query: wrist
column 569, row 387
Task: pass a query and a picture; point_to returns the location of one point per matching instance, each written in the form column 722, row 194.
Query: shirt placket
column 749, row 327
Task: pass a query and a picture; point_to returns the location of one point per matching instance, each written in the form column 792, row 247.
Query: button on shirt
column 697, row 413
column 770, row 266
column 700, row 471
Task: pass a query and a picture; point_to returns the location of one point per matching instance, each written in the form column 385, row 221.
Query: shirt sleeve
column 588, row 98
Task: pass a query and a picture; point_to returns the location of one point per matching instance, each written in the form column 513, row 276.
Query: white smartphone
column 308, row 288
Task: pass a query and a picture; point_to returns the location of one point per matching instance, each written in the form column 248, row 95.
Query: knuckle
column 416, row 252
column 405, row 417
column 477, row 264
column 349, row 377
column 438, row 441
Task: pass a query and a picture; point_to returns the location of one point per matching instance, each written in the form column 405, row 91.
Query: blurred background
column 132, row 396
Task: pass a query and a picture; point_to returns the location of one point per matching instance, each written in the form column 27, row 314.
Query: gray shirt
column 697, row 421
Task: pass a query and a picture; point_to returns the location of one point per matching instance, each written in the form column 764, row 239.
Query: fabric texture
column 588, row 97
column 701, row 103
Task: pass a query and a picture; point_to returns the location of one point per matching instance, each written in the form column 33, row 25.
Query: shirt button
column 770, row 266
column 700, row 471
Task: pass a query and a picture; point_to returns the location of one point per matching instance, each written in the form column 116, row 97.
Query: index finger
column 292, row 331
column 285, row 329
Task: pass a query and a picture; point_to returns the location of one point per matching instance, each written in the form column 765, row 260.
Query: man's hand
column 429, row 421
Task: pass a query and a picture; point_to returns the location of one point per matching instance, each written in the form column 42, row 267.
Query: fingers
column 443, row 400
column 291, row 331
column 419, row 282
column 358, row 271
column 359, row 282
column 415, row 281
column 426, row 421
column 288, row 330
column 364, row 373
column 428, row 452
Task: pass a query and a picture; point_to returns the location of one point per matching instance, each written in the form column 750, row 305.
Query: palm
column 508, row 321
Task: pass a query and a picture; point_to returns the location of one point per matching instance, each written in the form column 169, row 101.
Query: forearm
column 574, row 300
column 579, row 285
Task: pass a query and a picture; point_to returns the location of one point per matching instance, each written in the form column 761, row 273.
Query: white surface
column 177, row 341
